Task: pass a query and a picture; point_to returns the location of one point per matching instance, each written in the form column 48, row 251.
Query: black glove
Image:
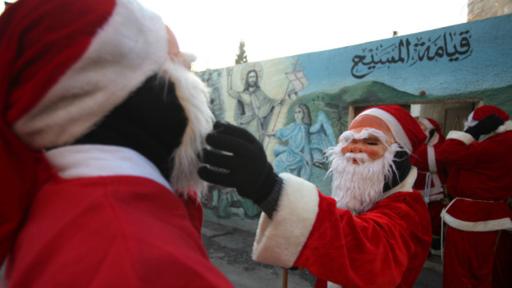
column 485, row 126
column 246, row 168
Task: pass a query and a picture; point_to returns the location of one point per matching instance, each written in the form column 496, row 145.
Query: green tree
column 241, row 57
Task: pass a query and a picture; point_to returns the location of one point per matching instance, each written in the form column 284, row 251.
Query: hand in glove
column 485, row 126
column 244, row 166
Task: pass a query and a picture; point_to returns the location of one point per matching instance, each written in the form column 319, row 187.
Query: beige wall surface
column 481, row 9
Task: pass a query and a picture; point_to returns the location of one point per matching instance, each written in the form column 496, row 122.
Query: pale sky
column 213, row 29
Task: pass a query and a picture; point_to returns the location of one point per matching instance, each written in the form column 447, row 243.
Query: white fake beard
column 358, row 187
column 194, row 97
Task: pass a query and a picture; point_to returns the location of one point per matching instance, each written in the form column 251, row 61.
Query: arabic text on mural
column 453, row 46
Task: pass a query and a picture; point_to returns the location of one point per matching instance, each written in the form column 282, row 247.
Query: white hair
column 357, row 187
column 193, row 96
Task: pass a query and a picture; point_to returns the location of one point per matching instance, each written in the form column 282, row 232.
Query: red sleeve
column 478, row 169
column 384, row 247
column 373, row 249
column 459, row 149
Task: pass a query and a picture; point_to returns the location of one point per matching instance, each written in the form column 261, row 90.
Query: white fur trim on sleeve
column 279, row 240
column 462, row 136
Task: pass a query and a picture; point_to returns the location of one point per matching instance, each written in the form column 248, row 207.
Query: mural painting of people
column 254, row 107
column 212, row 79
column 253, row 110
column 305, row 143
column 432, row 74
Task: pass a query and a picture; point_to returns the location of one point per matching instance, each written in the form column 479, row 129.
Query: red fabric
column 502, row 278
column 36, row 52
column 21, row 169
column 384, row 247
column 33, row 57
column 437, row 127
column 120, row 231
column 434, row 209
column 468, row 258
column 410, row 126
column 476, row 211
column 487, row 110
column 480, row 171
column 419, row 159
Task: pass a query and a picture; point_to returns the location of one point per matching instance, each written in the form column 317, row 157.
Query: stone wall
column 481, row 9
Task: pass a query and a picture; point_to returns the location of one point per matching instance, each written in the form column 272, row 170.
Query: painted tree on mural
column 241, row 57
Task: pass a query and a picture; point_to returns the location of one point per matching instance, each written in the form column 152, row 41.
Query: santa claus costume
column 381, row 243
column 479, row 165
column 431, row 175
column 81, row 204
column 384, row 246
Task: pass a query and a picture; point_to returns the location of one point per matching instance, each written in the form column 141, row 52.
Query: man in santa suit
column 479, row 164
column 370, row 233
column 95, row 98
column 431, row 176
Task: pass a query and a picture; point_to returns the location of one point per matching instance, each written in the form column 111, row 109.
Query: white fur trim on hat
column 279, row 240
column 468, row 139
column 470, row 122
column 425, row 122
column 129, row 48
column 393, row 124
column 461, row 136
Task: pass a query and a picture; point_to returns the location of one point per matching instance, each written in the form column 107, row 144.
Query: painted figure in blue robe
column 303, row 143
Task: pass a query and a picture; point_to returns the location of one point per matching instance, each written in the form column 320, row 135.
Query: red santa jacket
column 383, row 247
column 429, row 167
column 109, row 219
column 479, row 179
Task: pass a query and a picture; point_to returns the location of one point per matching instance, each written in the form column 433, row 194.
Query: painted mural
column 298, row 105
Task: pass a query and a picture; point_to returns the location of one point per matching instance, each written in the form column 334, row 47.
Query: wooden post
column 285, row 278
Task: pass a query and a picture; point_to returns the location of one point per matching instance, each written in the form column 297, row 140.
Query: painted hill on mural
column 336, row 104
column 366, row 93
column 501, row 97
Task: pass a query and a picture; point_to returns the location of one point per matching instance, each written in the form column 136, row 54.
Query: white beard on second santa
column 357, row 187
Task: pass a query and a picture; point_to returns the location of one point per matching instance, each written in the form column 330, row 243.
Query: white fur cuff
column 279, row 240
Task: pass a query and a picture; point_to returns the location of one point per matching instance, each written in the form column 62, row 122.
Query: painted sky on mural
column 212, row 30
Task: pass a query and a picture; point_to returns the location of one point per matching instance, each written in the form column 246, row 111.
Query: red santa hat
column 405, row 129
column 484, row 111
column 65, row 64
column 70, row 64
column 432, row 124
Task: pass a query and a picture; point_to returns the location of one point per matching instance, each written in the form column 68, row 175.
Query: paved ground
column 229, row 249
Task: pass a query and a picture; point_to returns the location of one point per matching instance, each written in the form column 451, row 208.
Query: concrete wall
column 481, row 9
column 442, row 74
